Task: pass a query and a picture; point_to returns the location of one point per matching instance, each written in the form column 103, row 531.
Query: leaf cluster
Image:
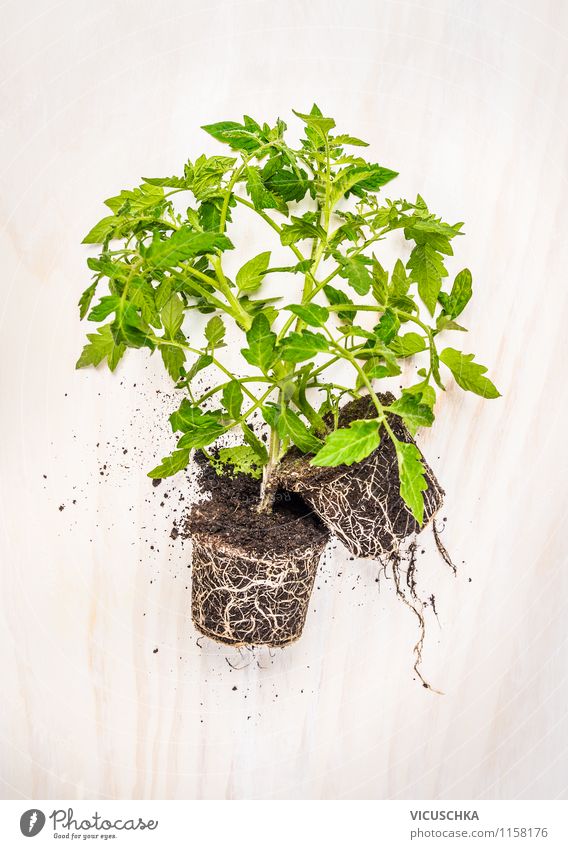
column 321, row 199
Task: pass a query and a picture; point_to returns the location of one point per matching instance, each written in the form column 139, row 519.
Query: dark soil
column 231, row 516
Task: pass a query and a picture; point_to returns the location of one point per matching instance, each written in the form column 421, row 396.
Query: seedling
column 322, row 202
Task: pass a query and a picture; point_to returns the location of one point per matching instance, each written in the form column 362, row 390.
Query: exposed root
column 411, row 570
column 361, row 503
column 241, row 599
column 417, row 607
column 442, row 549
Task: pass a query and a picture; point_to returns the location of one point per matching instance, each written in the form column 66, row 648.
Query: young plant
column 322, row 203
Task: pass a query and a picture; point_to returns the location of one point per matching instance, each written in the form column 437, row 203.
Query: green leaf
column 262, row 197
column 469, row 375
column 172, row 314
column 237, row 459
column 298, row 347
column 287, row 184
column 349, row 444
column 215, row 332
column 101, row 344
column 101, row 231
column 299, row 433
column 143, row 200
column 129, row 329
column 345, row 139
column 250, row 276
column 236, row 135
column 233, row 398
column 414, row 413
column 254, row 442
column 412, row 478
column 373, row 181
column 304, row 227
column 316, row 122
column 455, row 303
column 407, row 345
column 427, row 268
column 354, row 270
column 388, row 326
column 262, row 341
column 399, row 281
column 187, row 417
column 312, row 314
column 170, row 465
column 183, row 244
column 201, row 362
column 141, row 293
column 107, row 305
column 335, row 297
column 173, row 359
column 86, row 298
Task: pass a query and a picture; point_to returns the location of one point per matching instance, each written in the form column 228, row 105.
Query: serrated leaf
column 388, row 326
column 412, row 478
column 107, row 305
column 262, row 341
column 101, row 231
column 372, row 182
column 467, row 374
column 172, row 314
column 188, row 417
column 407, row 345
column 316, row 122
column 311, row 314
column 289, row 185
column 297, row 347
column 304, row 227
column 233, row 398
column 262, row 197
column 184, row 244
column 427, row 269
column 236, row 135
column 399, row 281
column 171, row 465
column 349, row 444
column 201, row 362
column 129, row 329
column 173, row 359
column 215, row 332
column 85, row 300
column 455, row 303
column 335, row 297
column 254, row 442
column 354, row 270
column 346, row 139
column 237, row 459
column 414, row 413
column 251, row 274
column 101, row 344
column 299, row 433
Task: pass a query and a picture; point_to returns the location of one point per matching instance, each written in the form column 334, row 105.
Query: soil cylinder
column 253, row 574
column 361, row 503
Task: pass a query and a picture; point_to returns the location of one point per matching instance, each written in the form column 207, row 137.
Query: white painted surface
column 468, row 101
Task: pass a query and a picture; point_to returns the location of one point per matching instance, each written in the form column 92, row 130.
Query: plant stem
column 269, row 479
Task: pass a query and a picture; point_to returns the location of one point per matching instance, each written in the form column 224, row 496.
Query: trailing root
column 242, row 599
